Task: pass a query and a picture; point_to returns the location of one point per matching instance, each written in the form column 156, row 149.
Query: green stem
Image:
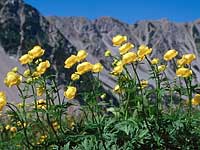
column 143, row 109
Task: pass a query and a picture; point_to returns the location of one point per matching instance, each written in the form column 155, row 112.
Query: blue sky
column 128, row 11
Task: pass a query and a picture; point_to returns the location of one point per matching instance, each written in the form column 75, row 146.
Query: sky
column 128, row 11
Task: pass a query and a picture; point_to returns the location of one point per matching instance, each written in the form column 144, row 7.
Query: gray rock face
column 22, row 27
column 95, row 36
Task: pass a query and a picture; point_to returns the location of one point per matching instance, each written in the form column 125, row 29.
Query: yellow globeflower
column 2, row 100
column 143, row 51
column 25, row 59
column 117, row 89
column 118, row 69
column 170, row 54
column 107, row 53
column 118, row 40
column 7, row 127
column 181, row 62
column 196, row 100
column 155, row 61
column 41, row 104
column 13, row 129
column 103, row 96
column 144, row 83
column 183, row 72
column 161, row 68
column 125, row 48
column 15, row 69
column 70, row 93
column 36, row 52
column 40, row 90
column 189, row 58
column 12, row 78
column 75, row 76
column 55, row 125
column 84, row 67
column 81, row 55
column 27, row 73
column 129, row 57
column 70, row 61
column 97, row 68
column 42, row 67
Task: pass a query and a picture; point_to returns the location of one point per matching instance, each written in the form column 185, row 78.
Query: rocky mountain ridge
column 22, row 27
column 95, row 36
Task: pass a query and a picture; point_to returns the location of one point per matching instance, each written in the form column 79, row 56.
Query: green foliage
column 145, row 117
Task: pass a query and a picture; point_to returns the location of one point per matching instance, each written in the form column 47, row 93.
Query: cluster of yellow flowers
column 128, row 57
column 35, row 53
column 183, row 70
column 11, row 128
column 14, row 78
column 41, row 104
column 81, row 68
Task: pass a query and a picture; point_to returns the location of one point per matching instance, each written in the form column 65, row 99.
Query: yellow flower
column 117, row 69
column 144, row 83
column 15, row 69
column 107, row 53
column 143, row 51
column 41, row 104
column 81, row 55
column 19, row 124
column 155, row 61
column 42, row 138
column 125, row 48
column 26, row 73
column 40, row 90
column 25, row 59
column 7, row 127
column 189, row 58
column 181, row 62
column 42, row 67
column 12, row 78
column 75, row 76
column 70, row 92
column 13, row 129
column 129, row 58
column 117, row 89
column 196, row 100
column 2, row 100
column 84, row 67
column 36, row 52
column 118, row 40
column 183, row 72
column 70, row 61
column 170, row 54
column 97, row 68
column 55, row 125
column 161, row 68
column 103, row 96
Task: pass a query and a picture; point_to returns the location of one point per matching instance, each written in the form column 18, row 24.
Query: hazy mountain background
column 22, row 27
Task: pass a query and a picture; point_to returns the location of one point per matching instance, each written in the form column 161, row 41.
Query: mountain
column 22, row 27
column 95, row 36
